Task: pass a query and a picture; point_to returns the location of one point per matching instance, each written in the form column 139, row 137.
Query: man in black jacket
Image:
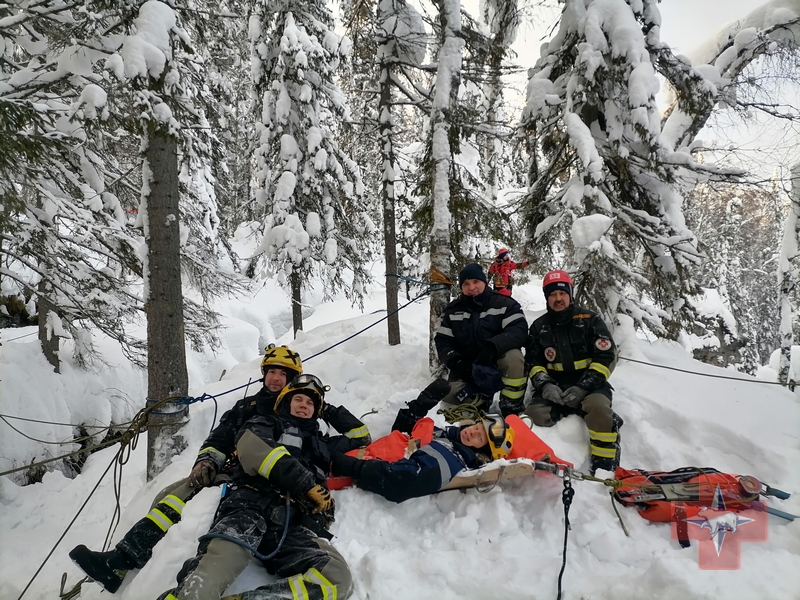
column 481, row 329
column 278, row 506
column 214, row 462
column 570, row 355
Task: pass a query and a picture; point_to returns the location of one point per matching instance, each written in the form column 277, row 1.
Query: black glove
column 345, row 465
column 203, row 474
column 573, row 396
column 429, row 397
column 552, row 393
column 487, row 356
column 460, row 368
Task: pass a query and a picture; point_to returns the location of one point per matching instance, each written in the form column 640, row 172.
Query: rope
column 139, row 422
column 641, row 362
column 71, row 523
column 425, row 293
column 566, row 498
column 22, row 336
column 128, row 441
column 619, row 515
column 466, row 411
column 187, row 400
column 248, row 547
column 65, row 424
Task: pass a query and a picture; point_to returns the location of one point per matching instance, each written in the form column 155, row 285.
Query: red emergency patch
column 603, row 343
column 550, row 354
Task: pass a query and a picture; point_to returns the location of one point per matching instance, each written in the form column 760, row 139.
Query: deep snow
column 502, row 544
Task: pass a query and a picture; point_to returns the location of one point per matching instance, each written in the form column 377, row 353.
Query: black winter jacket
column 284, row 454
column 469, row 324
column 220, row 445
column 571, row 347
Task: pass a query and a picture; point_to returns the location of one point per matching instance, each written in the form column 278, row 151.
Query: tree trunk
column 47, row 337
column 297, row 297
column 787, row 281
column 448, row 79
column 166, row 350
column 388, row 160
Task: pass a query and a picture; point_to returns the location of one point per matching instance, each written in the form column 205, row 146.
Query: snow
column 148, row 50
column 505, row 543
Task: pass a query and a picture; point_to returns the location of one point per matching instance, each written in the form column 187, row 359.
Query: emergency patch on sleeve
column 550, row 354
column 603, row 343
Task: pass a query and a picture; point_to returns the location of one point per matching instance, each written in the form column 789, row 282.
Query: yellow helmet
column 501, row 436
column 309, row 385
column 283, row 357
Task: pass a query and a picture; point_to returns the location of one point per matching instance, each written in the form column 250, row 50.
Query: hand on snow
column 203, row 474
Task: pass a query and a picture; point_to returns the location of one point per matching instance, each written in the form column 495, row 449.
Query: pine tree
column 607, row 175
column 316, row 221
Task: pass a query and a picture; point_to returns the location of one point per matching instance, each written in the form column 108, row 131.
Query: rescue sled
column 502, row 470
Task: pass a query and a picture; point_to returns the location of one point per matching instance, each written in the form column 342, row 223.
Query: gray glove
column 203, row 474
column 552, row 393
column 573, row 396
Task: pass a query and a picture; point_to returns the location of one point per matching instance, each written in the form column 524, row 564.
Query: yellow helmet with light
column 501, row 436
column 282, row 357
column 311, row 386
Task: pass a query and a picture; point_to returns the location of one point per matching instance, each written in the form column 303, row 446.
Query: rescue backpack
column 665, row 496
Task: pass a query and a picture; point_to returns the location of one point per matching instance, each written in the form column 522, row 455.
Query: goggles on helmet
column 310, row 381
column 501, row 436
column 308, row 384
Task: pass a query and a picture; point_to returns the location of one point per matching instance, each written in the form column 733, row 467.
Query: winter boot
column 106, row 568
column 510, row 407
column 512, row 396
column 605, row 447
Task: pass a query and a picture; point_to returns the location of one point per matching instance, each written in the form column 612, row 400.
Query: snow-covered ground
column 502, row 544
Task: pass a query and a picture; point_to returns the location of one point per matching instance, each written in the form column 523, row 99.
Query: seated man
column 278, row 506
column 215, row 462
column 570, row 354
column 443, row 452
column 482, row 329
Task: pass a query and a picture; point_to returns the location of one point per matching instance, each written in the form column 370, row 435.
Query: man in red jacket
column 500, row 272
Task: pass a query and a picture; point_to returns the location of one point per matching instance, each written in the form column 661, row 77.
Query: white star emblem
column 718, row 520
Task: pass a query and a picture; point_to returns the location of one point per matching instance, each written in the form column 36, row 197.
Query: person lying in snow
column 283, row 456
column 214, row 465
column 443, row 453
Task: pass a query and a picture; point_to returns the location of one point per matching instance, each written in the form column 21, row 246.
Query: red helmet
column 502, row 254
column 557, row 280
